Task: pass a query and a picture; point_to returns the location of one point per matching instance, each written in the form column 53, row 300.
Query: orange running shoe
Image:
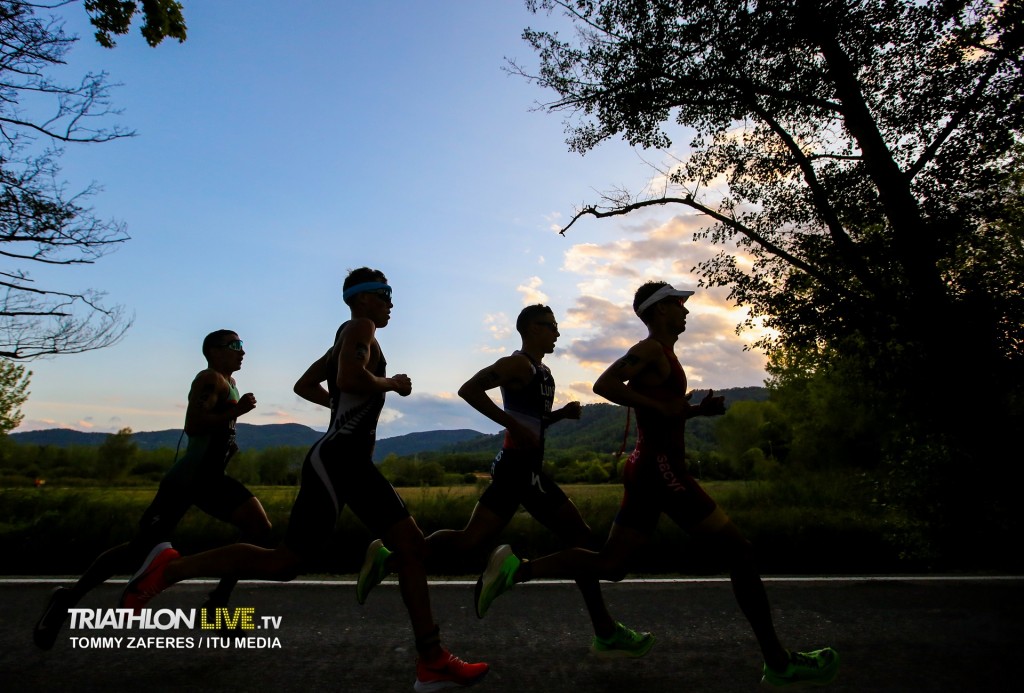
column 447, row 671
column 149, row 581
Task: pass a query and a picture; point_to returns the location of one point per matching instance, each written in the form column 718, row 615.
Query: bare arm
column 509, row 371
column 357, row 345
column 640, row 361
column 309, row 385
column 572, row 410
column 208, row 390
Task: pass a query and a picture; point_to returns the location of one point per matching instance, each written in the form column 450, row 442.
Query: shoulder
column 514, row 370
column 357, row 328
column 210, row 378
column 647, row 350
column 518, row 366
column 208, row 383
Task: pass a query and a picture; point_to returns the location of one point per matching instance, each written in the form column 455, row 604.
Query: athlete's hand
column 403, row 384
column 711, row 405
column 246, row 403
column 572, row 410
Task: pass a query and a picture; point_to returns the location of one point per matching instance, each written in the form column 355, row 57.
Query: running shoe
column 817, row 668
column 497, row 578
column 624, row 642
column 48, row 626
column 149, row 581
column 447, row 671
column 373, row 571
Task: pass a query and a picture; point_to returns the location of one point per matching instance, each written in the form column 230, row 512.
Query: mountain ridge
column 601, row 428
column 251, row 437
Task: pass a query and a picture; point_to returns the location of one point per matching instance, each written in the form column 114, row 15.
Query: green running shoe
column 497, row 578
column 624, row 642
column 374, row 569
column 817, row 668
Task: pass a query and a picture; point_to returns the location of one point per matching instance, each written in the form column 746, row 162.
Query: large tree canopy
column 868, row 153
column 864, row 144
column 161, row 19
column 41, row 223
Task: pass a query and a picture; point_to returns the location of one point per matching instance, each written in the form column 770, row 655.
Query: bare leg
column 571, row 528
column 123, row 558
column 733, row 547
column 410, row 550
column 483, row 525
column 254, row 526
column 236, row 561
column 608, row 564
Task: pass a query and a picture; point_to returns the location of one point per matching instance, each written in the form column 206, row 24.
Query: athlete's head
column 531, row 314
column 223, row 351
column 221, row 339
column 536, row 324
column 367, row 293
column 653, row 294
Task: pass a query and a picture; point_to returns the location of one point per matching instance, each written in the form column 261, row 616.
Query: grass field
column 819, row 526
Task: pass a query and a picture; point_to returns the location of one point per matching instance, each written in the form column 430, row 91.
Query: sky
column 283, row 145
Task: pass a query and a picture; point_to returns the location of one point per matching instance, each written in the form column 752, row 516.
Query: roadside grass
column 813, row 525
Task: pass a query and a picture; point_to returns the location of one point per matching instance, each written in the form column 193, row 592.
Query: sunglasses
column 550, row 325
column 384, row 294
column 234, row 346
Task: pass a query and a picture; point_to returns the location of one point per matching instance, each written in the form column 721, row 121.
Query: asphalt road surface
column 947, row 634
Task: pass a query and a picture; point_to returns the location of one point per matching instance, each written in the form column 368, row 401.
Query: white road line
column 629, row 581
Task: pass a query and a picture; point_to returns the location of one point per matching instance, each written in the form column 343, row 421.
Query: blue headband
column 365, row 286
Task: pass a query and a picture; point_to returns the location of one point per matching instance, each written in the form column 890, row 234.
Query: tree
column 867, row 152
column 13, row 393
column 161, row 19
column 41, row 223
column 116, row 455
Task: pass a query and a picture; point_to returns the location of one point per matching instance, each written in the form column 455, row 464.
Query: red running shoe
column 149, row 581
column 447, row 671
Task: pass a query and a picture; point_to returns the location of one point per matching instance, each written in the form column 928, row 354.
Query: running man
column 338, row 469
column 518, row 478
column 650, row 379
column 198, row 479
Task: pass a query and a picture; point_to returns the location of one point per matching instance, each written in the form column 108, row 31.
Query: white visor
column 664, row 292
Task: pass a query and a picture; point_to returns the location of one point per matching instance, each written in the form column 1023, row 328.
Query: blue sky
column 282, row 145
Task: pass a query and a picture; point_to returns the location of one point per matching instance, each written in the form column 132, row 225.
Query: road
column 895, row 634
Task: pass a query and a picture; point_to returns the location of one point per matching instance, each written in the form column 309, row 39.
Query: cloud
column 278, row 415
column 609, row 273
column 554, row 221
column 531, row 291
column 430, row 412
column 499, row 325
column 581, row 390
column 39, row 425
column 613, row 329
column 659, row 250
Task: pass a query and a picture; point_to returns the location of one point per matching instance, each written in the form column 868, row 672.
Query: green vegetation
column 879, row 237
column 798, row 468
column 14, row 381
column 818, row 524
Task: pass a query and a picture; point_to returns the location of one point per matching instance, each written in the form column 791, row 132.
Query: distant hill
column 427, row 441
column 602, row 427
column 250, row 437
